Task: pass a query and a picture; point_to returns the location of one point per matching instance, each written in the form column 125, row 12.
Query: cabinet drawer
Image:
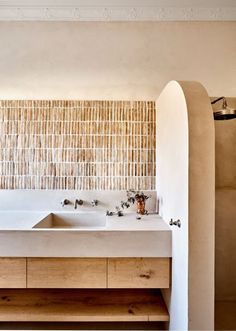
column 66, row 273
column 12, row 272
column 138, row 273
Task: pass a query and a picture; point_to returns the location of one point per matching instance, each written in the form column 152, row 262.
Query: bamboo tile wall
column 81, row 145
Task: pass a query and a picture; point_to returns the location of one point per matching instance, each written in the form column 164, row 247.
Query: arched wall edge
column 184, row 110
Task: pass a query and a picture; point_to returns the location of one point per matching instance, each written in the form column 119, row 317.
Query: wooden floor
column 47, row 305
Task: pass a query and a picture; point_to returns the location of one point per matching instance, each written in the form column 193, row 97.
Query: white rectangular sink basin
column 83, row 221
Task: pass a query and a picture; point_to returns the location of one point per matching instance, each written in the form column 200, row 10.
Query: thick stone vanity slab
column 122, row 237
column 115, row 266
column 21, row 210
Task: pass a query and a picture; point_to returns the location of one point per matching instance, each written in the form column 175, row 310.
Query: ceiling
column 118, row 10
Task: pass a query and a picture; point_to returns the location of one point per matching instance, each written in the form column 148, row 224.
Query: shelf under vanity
column 83, row 289
column 80, row 305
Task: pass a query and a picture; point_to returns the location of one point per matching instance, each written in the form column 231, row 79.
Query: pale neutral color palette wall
column 225, row 207
column 122, row 61
column 186, row 190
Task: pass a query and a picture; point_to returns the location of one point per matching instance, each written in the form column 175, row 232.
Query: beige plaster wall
column 186, row 191
column 172, row 193
column 132, row 60
column 201, row 207
column 225, row 207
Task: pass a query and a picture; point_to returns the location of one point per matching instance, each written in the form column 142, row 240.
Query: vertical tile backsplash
column 81, row 145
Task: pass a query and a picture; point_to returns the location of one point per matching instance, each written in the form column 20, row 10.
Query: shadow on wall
column 225, row 225
column 225, row 208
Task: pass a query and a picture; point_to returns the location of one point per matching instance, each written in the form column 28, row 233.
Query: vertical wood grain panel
column 81, row 145
column 138, row 272
column 12, row 272
column 66, row 273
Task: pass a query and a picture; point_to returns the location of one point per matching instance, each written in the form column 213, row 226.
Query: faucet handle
column 94, row 203
column 176, row 223
column 65, row 202
column 109, row 213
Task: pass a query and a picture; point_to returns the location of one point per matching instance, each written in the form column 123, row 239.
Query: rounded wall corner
column 184, row 109
column 198, row 101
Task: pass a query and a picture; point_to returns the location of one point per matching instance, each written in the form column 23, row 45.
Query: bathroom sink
column 83, row 221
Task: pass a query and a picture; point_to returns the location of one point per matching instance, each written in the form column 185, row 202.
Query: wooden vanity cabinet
column 84, row 273
column 12, row 272
column 85, row 289
column 98, row 273
column 66, row 273
column 138, row 273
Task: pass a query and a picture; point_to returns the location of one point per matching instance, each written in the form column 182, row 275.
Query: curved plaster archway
column 186, row 191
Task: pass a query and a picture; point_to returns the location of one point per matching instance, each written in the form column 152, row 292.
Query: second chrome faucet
column 78, row 202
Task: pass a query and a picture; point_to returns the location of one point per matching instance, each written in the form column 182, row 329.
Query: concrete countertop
column 129, row 222
column 20, row 220
column 122, row 237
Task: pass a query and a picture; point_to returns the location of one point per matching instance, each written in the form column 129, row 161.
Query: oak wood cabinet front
column 12, row 272
column 66, row 273
column 84, row 272
column 138, row 273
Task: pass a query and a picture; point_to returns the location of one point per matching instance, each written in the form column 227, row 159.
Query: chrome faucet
column 78, row 202
column 65, row 202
